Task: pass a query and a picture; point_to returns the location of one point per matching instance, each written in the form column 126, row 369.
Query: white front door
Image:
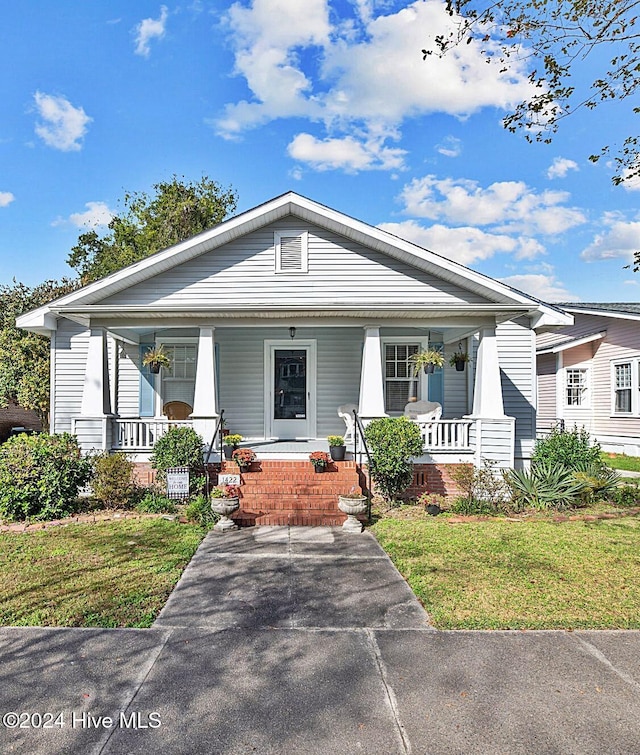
column 290, row 389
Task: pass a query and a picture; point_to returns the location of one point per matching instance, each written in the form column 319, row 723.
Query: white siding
column 128, row 381
column 72, row 342
column 340, row 271
column 516, row 353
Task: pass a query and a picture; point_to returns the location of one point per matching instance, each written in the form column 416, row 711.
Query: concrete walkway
column 288, row 641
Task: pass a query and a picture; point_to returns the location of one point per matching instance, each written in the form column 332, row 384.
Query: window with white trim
column 292, row 251
column 399, row 382
column 179, row 380
column 576, row 379
column 622, row 387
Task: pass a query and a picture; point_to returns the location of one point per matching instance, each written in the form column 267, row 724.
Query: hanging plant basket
column 429, row 369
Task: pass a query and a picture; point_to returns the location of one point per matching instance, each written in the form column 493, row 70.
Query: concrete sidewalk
column 309, row 641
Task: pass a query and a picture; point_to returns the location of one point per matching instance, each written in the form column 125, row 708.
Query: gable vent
column 291, row 252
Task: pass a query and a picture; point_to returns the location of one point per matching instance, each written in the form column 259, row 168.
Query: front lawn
column 108, row 574
column 621, row 461
column 530, row 574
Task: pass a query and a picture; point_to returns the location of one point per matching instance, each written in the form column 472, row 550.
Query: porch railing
column 141, row 434
column 446, row 434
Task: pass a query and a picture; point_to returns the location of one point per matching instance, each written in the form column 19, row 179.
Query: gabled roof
column 561, row 342
column 43, row 319
column 622, row 310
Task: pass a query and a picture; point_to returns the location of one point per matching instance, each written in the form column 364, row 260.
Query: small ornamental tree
column 393, row 442
column 40, row 476
column 180, row 447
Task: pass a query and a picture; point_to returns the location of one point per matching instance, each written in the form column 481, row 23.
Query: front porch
column 284, row 396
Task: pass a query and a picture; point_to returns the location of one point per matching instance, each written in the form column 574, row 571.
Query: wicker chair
column 176, row 410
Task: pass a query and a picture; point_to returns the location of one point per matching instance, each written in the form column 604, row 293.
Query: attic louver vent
column 291, row 252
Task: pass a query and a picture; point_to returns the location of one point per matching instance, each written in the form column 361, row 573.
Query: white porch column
column 371, row 377
column 487, row 393
column 96, row 394
column 205, row 410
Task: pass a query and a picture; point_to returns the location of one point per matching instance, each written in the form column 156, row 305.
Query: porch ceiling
column 462, row 314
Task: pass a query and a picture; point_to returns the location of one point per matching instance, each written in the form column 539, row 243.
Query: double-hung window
column 576, row 386
column 179, row 380
column 623, row 378
column 399, row 382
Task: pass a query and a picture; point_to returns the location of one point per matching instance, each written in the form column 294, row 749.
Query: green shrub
column 200, row 512
column 544, row 486
column 40, row 476
column 568, row 448
column 599, row 481
column 155, row 503
column 393, row 442
column 180, row 447
column 113, row 482
column 626, row 495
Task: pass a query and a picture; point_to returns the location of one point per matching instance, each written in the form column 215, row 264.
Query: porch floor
column 266, row 448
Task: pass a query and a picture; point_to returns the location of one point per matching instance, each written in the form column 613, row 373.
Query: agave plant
column 544, row 486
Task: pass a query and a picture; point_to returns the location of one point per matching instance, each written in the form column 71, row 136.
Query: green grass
column 620, row 461
column 108, row 574
column 499, row 574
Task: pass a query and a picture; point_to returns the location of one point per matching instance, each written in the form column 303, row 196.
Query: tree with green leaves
column 564, row 40
column 176, row 211
column 24, row 357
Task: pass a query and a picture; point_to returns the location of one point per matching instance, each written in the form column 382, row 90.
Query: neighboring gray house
column 589, row 374
column 279, row 316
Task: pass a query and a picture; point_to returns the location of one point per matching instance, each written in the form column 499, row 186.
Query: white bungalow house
column 279, row 316
column 589, row 374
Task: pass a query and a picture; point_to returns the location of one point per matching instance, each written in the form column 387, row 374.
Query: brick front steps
column 291, row 492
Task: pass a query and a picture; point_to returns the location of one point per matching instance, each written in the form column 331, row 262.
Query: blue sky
column 328, row 99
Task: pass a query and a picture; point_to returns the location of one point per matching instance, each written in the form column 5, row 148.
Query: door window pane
column 290, row 384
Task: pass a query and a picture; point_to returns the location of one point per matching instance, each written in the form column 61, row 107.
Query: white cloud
column 6, row 197
column 545, row 287
column 621, row 240
column 366, row 74
column 509, row 205
column 149, row 29
column 96, row 215
column 560, row 167
column 466, row 245
column 62, row 126
column 450, row 146
column 346, row 153
column 631, row 178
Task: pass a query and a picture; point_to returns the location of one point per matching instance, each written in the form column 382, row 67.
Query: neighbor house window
column 576, row 394
column 399, row 383
column 622, row 382
column 292, row 251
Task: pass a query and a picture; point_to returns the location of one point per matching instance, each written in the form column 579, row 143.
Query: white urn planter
column 352, row 507
column 225, row 507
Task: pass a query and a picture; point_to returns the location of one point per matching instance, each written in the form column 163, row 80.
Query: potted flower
column 352, row 504
column 428, row 360
column 319, row 459
column 156, row 358
column 243, row 457
column 225, row 499
column 230, row 442
column 458, row 359
column 337, row 447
